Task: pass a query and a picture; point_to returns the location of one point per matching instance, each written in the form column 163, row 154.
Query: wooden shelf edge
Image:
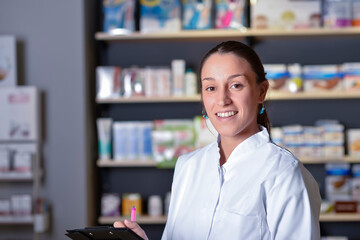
column 16, row 220
column 227, row 33
column 16, row 177
column 195, row 98
column 134, row 163
column 339, row 217
column 139, row 219
column 271, row 96
column 345, row 159
column 324, row 217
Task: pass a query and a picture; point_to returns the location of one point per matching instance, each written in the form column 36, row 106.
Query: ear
column 263, row 87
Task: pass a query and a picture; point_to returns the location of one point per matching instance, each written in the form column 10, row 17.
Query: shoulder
column 194, row 157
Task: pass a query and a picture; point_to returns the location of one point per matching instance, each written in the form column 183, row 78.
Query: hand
column 133, row 226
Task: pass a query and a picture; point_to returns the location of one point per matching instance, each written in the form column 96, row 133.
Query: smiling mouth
column 226, row 114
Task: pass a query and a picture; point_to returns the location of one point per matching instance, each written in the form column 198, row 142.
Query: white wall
column 52, row 56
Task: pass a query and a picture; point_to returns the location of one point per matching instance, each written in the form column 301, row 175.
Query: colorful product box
column 353, row 141
column 351, row 76
column 320, row 78
column 160, row 16
column 119, row 16
column 110, row 205
column 278, row 76
column 196, row 14
column 230, row 14
column 285, row 14
column 337, row 13
column 337, row 182
column 108, row 82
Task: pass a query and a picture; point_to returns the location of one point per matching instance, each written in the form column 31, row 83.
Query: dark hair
column 243, row 51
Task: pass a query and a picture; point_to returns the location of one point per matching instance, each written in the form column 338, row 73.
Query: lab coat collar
column 250, row 144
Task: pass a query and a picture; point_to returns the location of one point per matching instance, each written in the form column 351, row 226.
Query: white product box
column 320, row 78
column 110, row 205
column 4, row 160
column 353, row 141
column 22, row 162
column 108, row 81
column 8, row 68
column 285, row 14
column 351, row 77
column 277, row 76
column 160, row 16
column 5, row 208
column 20, row 120
column 21, row 205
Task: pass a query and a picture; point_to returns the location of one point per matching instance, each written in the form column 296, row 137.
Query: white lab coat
column 261, row 192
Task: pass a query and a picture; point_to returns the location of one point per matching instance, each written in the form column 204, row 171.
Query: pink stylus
column 133, row 214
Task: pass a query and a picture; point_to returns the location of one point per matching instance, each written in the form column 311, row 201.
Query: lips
column 226, row 114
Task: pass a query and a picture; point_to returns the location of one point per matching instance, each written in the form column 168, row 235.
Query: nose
column 224, row 97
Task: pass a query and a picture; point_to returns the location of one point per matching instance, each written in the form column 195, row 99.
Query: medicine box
column 160, row 16
column 119, row 16
column 196, row 14
column 277, row 76
column 285, row 14
column 353, row 142
column 110, row 205
column 351, row 76
column 322, row 78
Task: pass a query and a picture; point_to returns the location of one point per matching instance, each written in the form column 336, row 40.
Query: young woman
column 242, row 186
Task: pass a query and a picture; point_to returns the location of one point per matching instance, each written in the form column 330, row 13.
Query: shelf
column 195, row 98
column 227, row 34
column 15, row 177
column 345, row 159
column 139, row 219
column 151, row 163
column 135, row 163
column 272, row 95
column 324, row 217
column 16, row 220
column 339, row 217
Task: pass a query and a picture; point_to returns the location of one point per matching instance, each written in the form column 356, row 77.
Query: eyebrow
column 229, row 78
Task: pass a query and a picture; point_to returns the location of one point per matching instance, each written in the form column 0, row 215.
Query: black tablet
column 102, row 233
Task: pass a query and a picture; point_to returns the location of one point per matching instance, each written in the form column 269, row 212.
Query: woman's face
column 231, row 95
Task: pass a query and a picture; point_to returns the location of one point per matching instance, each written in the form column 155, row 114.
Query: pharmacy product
column 196, row 14
column 353, row 142
column 322, row 78
column 355, row 12
column 177, row 75
column 130, row 200
column 337, row 13
column 119, row 141
column 145, row 145
column 190, row 83
column 295, row 82
column 285, row 14
column 230, row 14
column 155, row 206
column 108, row 82
column 351, row 76
column 277, row 75
column 110, row 205
column 119, row 16
column 160, row 16
column 104, row 137
column 337, row 182
column 4, row 160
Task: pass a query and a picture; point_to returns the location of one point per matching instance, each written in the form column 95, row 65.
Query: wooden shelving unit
column 152, row 163
column 339, row 217
column 324, row 217
column 134, row 163
column 272, row 96
column 226, row 34
column 139, row 219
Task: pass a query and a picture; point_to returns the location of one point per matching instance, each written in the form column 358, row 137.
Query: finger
column 119, row 224
column 136, row 228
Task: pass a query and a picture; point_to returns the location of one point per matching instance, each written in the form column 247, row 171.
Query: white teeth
column 226, row 114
